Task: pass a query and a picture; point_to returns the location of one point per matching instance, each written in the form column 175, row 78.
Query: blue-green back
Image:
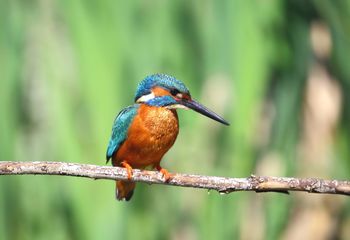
column 120, row 129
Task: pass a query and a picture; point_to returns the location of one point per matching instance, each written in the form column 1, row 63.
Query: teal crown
column 160, row 80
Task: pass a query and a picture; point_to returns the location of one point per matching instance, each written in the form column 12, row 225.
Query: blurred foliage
column 68, row 67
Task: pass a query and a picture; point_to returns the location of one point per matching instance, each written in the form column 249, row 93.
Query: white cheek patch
column 145, row 98
column 176, row 106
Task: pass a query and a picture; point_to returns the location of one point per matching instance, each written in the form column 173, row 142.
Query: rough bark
column 220, row 184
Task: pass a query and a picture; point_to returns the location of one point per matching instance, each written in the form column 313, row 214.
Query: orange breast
column 151, row 134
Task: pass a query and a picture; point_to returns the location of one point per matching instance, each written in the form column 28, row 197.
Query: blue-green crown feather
column 120, row 129
column 160, row 80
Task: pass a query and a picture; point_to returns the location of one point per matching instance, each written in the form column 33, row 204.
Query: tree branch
column 220, row 184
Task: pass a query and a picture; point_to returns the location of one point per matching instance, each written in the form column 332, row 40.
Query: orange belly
column 151, row 134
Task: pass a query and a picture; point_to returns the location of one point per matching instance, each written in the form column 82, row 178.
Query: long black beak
column 196, row 106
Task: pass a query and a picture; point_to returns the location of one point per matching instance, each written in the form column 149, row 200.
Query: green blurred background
column 279, row 71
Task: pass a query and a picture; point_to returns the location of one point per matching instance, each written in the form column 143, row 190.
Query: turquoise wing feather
column 120, row 129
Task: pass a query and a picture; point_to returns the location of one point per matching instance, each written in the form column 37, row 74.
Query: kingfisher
column 143, row 132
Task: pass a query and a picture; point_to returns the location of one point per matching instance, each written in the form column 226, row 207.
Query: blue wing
column 120, row 129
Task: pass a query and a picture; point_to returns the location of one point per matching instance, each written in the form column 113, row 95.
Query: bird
column 143, row 132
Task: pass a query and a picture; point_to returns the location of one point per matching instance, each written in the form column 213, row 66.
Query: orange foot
column 128, row 169
column 165, row 173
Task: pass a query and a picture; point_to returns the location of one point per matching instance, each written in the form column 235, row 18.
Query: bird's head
column 162, row 90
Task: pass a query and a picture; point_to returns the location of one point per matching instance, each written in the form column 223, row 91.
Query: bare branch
column 220, row 184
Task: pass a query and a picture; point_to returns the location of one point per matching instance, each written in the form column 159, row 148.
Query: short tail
column 124, row 190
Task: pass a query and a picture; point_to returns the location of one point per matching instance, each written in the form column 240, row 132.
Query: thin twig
column 220, row 184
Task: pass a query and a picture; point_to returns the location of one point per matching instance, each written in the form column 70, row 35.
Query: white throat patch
column 174, row 106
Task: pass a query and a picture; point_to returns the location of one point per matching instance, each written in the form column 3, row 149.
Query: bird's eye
column 174, row 92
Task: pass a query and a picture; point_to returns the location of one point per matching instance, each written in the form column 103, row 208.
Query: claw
column 165, row 173
column 128, row 169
